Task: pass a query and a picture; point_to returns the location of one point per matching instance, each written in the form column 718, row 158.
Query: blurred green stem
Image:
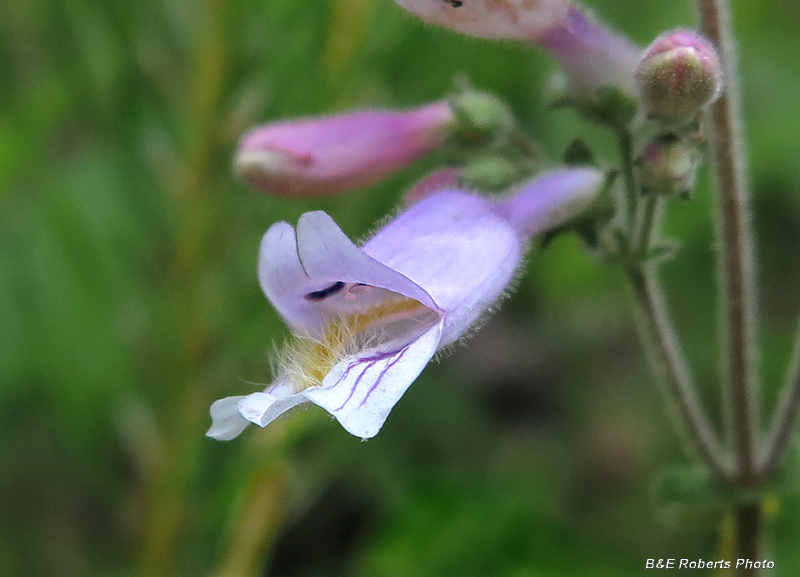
column 625, row 143
column 648, row 224
column 785, row 419
column 258, row 515
column 655, row 324
column 667, row 362
column 167, row 492
column 736, row 255
column 736, row 273
column 526, row 145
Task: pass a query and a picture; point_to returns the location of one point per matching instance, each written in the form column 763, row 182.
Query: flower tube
column 551, row 199
column 334, row 154
column 510, row 19
column 367, row 320
column 592, row 55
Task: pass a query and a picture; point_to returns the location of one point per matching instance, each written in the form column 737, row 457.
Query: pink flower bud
column 678, row 75
column 333, row 154
column 511, row 19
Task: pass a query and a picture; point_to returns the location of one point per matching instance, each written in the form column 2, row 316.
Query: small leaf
column 662, row 252
column 612, row 107
column 549, row 236
column 578, row 153
column 692, row 486
column 492, row 173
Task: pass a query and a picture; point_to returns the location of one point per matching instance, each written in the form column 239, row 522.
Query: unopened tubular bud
column 678, row 75
column 668, row 166
column 552, row 199
column 480, row 114
column 593, row 56
column 509, row 19
column 334, row 154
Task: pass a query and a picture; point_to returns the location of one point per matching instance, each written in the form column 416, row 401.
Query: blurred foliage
column 128, row 303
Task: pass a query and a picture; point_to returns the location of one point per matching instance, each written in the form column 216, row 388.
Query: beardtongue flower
column 551, row 199
column 367, row 320
column 591, row 55
column 511, row 19
column 333, row 154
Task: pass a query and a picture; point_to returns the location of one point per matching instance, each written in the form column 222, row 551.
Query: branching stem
column 655, row 324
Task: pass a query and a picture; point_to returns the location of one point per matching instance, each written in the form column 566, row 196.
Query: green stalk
column 736, row 273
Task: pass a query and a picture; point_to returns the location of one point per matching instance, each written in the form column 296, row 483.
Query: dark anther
column 455, row 3
column 322, row 294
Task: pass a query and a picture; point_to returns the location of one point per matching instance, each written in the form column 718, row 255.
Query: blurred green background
column 129, row 302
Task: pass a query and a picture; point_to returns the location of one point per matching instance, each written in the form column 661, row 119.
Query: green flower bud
column 668, row 166
column 678, row 75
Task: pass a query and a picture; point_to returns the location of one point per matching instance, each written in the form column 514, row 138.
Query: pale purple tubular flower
column 367, row 320
column 334, row 154
column 510, row 19
column 592, row 56
column 551, row 199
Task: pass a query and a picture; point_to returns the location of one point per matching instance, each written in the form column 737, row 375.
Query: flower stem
column 648, row 224
column 168, row 500
column 785, row 418
column 666, row 358
column 736, row 256
column 736, row 274
column 625, row 143
column 655, row 325
column 749, row 521
column 526, row 145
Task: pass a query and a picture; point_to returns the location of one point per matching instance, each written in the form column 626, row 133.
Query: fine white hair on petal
column 226, row 421
column 361, row 391
column 511, row 19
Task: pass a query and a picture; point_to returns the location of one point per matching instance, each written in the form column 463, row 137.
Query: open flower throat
column 365, row 320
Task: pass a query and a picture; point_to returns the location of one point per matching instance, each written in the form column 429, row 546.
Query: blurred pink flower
column 333, row 154
column 512, row 19
column 592, row 55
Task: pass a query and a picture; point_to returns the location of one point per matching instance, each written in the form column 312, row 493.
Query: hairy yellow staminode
column 305, row 361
